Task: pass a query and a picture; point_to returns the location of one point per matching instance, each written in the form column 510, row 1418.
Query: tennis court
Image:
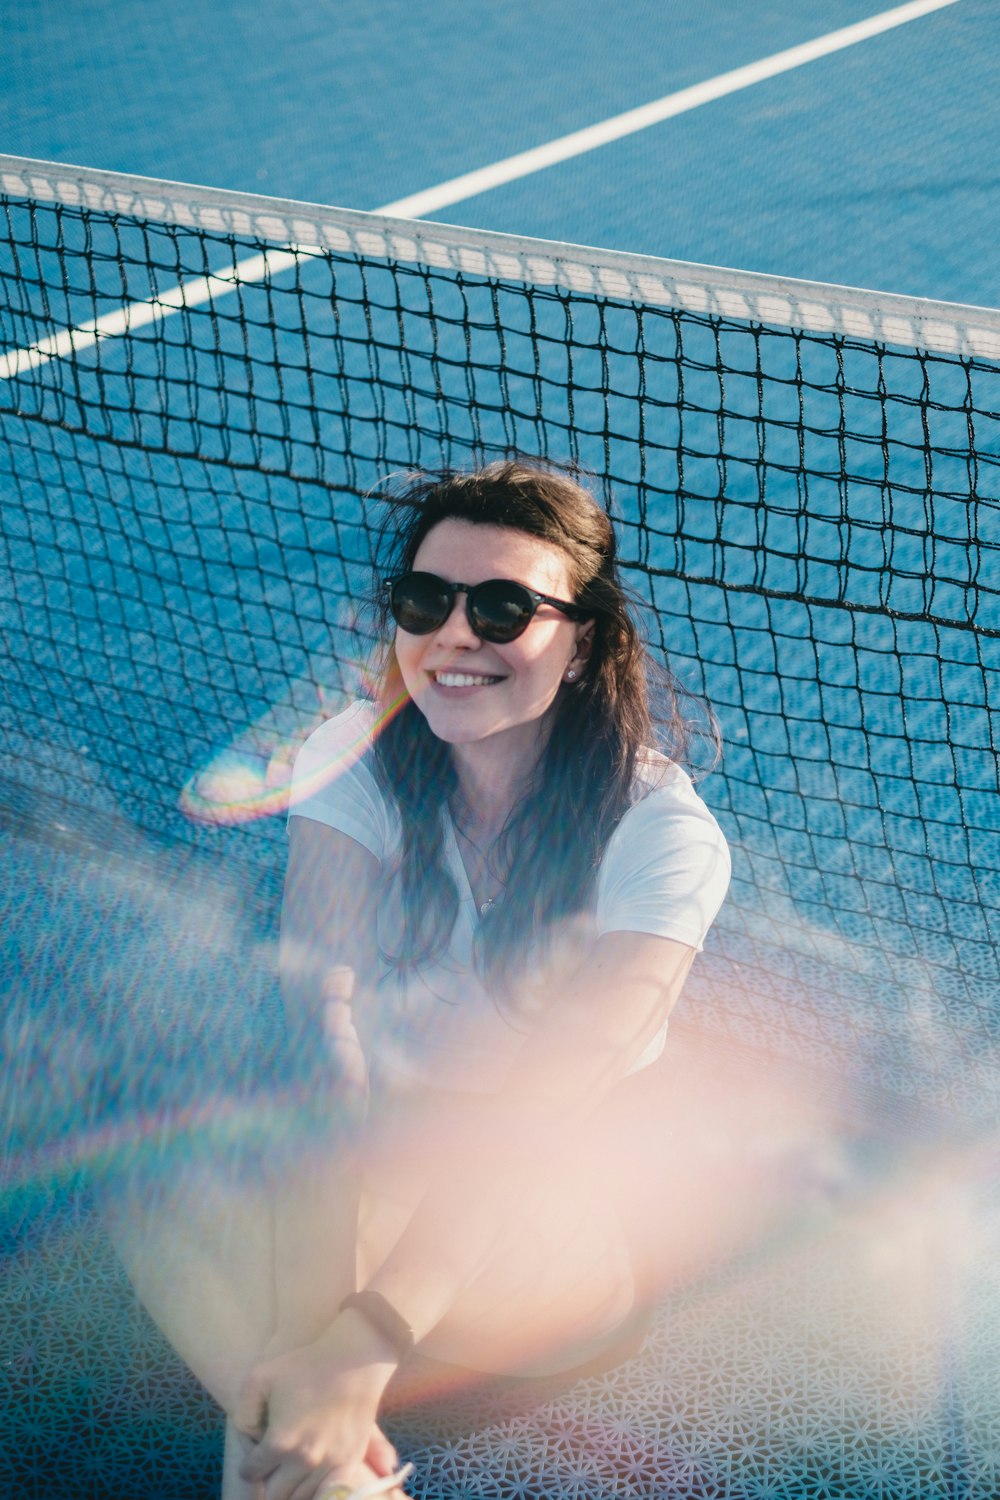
column 806, row 482
column 872, row 166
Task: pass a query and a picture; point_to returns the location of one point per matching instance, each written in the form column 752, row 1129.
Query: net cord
column 301, row 230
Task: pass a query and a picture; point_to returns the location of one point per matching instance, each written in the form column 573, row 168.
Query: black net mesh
column 810, row 519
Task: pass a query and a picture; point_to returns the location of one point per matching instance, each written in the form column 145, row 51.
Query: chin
column 456, row 725
column 457, row 734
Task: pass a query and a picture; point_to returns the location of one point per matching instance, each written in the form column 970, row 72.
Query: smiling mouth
column 463, row 679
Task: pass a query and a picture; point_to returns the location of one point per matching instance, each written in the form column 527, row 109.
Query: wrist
column 368, row 1346
column 383, row 1319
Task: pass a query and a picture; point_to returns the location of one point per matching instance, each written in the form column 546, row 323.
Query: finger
column 338, row 1022
column 250, row 1416
column 386, row 1488
column 260, row 1463
column 380, row 1455
column 316, row 1485
column 293, row 1474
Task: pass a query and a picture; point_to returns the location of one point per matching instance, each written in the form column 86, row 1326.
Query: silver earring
column 570, row 675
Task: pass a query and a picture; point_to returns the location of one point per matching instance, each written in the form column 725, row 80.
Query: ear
column 584, row 645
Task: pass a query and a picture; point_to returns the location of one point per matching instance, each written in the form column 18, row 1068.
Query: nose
column 456, row 630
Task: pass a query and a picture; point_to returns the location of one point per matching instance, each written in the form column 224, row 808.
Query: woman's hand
column 314, row 1410
column 341, row 1037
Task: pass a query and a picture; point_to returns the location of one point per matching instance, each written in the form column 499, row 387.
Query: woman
column 495, row 891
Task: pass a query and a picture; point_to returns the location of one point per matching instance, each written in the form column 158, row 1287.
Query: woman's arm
column 326, row 961
column 592, row 1031
column 327, row 922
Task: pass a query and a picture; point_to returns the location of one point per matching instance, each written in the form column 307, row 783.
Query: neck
column 489, row 787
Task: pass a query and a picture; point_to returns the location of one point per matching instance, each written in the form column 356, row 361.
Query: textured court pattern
column 812, row 1377
column 852, row 1355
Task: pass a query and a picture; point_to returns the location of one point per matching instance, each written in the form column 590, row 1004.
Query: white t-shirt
column 665, row 871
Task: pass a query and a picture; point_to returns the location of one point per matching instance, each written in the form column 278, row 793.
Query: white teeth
column 462, row 679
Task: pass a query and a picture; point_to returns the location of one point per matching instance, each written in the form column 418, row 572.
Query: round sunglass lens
column 501, row 611
column 420, row 603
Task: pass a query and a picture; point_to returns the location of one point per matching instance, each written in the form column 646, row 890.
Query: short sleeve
column 666, row 868
column 333, row 783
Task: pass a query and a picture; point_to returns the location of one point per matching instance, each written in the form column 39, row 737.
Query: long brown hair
column 554, row 838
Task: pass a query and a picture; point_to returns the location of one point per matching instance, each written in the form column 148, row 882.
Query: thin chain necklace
column 485, row 907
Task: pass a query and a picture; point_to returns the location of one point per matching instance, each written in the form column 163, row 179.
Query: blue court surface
column 874, row 166
column 816, row 545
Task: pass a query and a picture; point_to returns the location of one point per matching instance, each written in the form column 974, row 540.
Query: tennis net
column 199, row 390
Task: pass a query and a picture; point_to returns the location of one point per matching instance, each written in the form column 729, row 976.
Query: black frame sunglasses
column 498, row 609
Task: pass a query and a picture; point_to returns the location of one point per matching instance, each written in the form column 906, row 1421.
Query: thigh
column 199, row 1252
column 558, row 1281
column 704, row 1152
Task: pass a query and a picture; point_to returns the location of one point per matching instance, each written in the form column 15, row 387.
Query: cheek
column 548, row 653
column 407, row 649
column 542, row 669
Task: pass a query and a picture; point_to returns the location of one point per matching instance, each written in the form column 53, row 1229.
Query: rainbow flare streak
column 240, row 785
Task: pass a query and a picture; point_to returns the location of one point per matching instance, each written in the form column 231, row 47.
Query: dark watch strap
column 384, row 1318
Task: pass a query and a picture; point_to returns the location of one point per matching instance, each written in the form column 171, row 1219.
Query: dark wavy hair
column 554, row 838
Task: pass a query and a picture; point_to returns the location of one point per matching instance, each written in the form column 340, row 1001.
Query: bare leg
column 232, row 1265
column 315, row 1244
column 558, row 1283
column 199, row 1252
column 692, row 1158
column 234, row 1451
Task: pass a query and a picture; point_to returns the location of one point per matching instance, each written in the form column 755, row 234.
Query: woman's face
column 471, row 690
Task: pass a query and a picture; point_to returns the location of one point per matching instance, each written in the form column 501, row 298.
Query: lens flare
column 252, row 777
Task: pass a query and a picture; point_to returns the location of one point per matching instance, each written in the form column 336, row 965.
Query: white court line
column 613, row 129
column 255, row 268
column 136, row 315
